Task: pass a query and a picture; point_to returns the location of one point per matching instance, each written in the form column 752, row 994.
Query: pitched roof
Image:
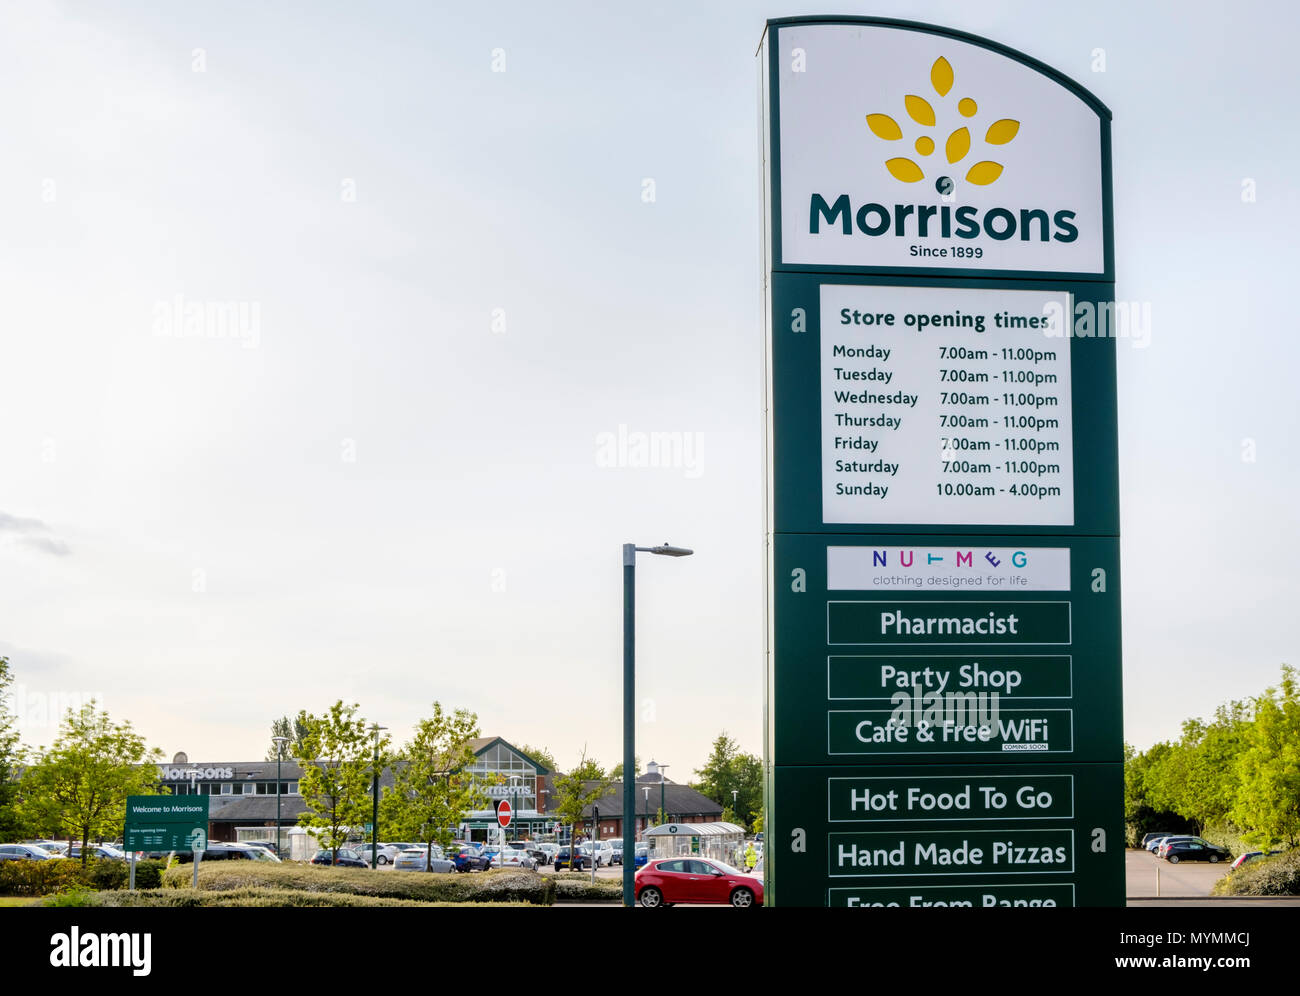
column 260, row 809
column 480, row 744
column 679, row 800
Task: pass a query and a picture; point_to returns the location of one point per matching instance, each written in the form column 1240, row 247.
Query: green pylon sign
column 943, row 687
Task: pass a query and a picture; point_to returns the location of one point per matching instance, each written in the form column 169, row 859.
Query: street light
column 279, row 756
column 630, row 550
column 375, row 729
column 734, row 793
column 646, row 817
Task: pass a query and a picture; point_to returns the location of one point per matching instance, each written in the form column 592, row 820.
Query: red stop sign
column 504, row 812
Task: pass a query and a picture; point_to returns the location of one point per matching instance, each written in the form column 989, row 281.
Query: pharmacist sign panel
column 901, row 147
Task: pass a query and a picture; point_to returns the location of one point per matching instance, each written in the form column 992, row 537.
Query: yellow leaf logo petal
column 958, row 145
column 1002, row 132
column 984, row 173
column 941, row 76
column 906, row 170
column 884, row 127
column 921, row 112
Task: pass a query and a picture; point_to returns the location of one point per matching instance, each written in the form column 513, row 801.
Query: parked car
column 616, row 846
column 346, row 858
column 105, row 851
column 24, row 852
column 669, row 881
column 1147, row 839
column 417, row 859
column 641, row 856
column 511, row 858
column 600, row 852
column 268, row 846
column 54, row 847
column 575, row 859
column 1163, row 847
column 218, row 851
column 549, row 850
column 387, row 853
column 1195, row 849
column 468, row 858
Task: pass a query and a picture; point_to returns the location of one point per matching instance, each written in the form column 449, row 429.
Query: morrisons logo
column 941, row 221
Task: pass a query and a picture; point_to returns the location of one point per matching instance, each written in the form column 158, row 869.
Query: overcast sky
column 389, row 483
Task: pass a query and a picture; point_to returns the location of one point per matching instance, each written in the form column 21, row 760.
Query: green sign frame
column 831, row 657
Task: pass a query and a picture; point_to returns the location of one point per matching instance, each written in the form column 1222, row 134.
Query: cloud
column 46, row 544
column 30, row 533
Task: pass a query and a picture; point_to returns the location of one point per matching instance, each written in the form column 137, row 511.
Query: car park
column 417, row 858
column 669, row 881
column 1195, row 849
column 600, row 853
column 346, row 858
column 641, row 856
column 24, row 852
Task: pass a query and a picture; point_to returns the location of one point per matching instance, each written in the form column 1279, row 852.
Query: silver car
column 414, row 859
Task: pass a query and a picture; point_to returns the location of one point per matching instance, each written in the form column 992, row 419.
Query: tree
column 577, row 790
column 727, row 770
column 337, row 758
column 616, row 772
column 78, row 787
column 542, row 756
column 295, row 729
column 433, row 790
column 10, row 757
column 1268, row 767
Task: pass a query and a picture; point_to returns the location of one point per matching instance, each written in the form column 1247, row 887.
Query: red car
column 695, row 880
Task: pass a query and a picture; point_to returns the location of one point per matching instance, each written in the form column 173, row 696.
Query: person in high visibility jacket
column 751, row 858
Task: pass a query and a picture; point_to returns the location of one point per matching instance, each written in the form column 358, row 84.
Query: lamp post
column 630, row 551
column 279, row 756
column 375, row 729
column 734, row 793
column 646, row 818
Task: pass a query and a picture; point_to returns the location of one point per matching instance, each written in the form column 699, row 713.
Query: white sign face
column 944, row 405
column 947, row 568
column 901, row 148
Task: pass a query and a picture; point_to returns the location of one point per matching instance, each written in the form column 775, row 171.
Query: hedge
column 1275, row 876
column 507, row 885
column 233, row 897
column 572, row 890
column 41, row 878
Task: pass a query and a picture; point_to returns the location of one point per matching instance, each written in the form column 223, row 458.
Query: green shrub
column 494, row 886
column 233, row 897
column 573, row 890
column 104, row 873
column 1275, row 876
column 148, row 874
column 230, row 897
column 40, row 878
